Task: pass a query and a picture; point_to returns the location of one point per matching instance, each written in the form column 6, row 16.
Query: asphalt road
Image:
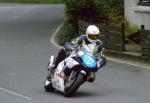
column 25, row 32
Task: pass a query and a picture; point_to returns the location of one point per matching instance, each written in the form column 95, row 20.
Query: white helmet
column 92, row 33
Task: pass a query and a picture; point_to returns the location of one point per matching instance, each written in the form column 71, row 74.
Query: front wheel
column 48, row 85
column 69, row 91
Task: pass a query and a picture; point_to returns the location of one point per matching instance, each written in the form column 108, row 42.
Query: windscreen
column 90, row 49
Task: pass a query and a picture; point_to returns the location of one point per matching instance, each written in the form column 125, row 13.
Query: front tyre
column 48, row 85
column 74, row 87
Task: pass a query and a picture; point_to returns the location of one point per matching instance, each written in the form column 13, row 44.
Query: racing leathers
column 82, row 40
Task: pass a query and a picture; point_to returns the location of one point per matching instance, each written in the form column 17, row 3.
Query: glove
column 101, row 62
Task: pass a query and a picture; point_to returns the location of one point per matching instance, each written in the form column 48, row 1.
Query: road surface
column 25, row 31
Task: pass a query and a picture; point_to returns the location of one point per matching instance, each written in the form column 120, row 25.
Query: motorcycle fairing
column 70, row 62
column 89, row 62
column 58, row 82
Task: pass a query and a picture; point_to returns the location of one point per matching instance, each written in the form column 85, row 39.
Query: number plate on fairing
column 71, row 62
column 89, row 61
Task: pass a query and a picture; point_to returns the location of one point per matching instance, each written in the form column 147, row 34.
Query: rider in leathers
column 92, row 33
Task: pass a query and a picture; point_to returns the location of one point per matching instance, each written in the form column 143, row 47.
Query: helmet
column 92, row 33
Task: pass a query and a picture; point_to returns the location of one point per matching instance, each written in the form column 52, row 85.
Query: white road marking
column 52, row 40
column 115, row 60
column 19, row 95
column 128, row 63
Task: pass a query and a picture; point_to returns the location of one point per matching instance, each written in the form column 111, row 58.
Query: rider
column 92, row 33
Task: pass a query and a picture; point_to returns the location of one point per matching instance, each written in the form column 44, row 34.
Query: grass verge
column 33, row 1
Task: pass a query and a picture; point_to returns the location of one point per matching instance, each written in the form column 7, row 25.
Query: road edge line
column 124, row 62
column 53, row 37
column 14, row 93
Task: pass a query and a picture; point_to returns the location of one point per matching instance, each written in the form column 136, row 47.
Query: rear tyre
column 69, row 91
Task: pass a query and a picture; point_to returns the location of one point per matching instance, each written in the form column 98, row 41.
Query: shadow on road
column 85, row 94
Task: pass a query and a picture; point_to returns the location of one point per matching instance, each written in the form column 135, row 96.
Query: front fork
column 73, row 73
column 72, row 77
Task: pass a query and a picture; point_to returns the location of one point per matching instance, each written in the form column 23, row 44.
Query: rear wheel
column 71, row 88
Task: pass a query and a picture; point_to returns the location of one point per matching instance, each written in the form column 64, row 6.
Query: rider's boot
column 91, row 77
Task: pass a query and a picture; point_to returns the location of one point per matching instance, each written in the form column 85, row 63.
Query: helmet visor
column 93, row 37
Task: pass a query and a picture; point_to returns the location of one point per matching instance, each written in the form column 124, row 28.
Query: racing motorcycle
column 77, row 68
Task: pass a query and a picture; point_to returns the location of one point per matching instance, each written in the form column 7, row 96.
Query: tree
column 91, row 10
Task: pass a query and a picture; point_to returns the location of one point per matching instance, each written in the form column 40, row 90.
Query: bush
column 78, row 9
column 111, row 9
column 91, row 11
column 63, row 37
column 130, row 29
column 32, row 1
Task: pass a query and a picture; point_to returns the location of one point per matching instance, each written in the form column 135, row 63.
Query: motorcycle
column 77, row 68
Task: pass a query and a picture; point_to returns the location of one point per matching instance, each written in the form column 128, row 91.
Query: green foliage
column 100, row 8
column 92, row 11
column 32, row 1
column 111, row 9
column 78, row 9
column 63, row 37
column 81, row 9
column 129, row 30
